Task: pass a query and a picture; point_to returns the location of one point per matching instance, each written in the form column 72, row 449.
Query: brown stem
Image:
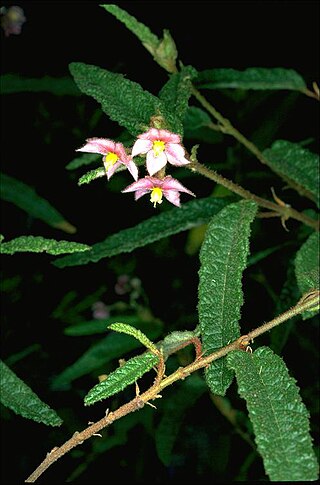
column 283, row 211
column 306, row 303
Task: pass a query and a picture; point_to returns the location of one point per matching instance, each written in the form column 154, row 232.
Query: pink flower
column 161, row 146
column 114, row 155
column 168, row 186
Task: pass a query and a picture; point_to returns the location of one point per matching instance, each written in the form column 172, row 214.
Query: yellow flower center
column 156, row 196
column 110, row 160
column 158, row 147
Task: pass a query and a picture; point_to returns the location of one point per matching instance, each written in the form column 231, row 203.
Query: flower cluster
column 159, row 146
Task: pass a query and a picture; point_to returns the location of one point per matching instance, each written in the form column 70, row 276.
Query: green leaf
column 223, row 258
column 136, row 333
column 164, row 51
column 122, row 100
column 176, row 92
column 17, row 396
column 11, row 83
column 83, row 159
column 122, row 377
column 174, row 412
column 307, row 264
column 171, row 222
column 280, row 419
column 113, row 346
column 92, row 175
column 23, row 196
column 175, row 341
column 38, row 244
column 144, row 34
column 251, row 78
column 297, row 166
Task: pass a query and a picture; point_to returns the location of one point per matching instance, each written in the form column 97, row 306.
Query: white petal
column 154, row 164
column 141, row 146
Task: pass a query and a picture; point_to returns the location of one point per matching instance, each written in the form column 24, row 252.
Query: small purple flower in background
column 100, row 310
column 114, row 155
column 122, row 285
column 125, row 285
column 168, row 186
column 12, row 20
column 161, row 146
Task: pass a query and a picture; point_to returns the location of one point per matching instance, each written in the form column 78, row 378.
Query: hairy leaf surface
column 122, row 377
column 176, row 92
column 134, row 332
column 296, row 165
column 223, row 258
column 251, row 78
column 38, row 244
column 122, row 100
column 279, row 417
column 171, row 222
column 17, row 396
column 23, row 196
column 163, row 50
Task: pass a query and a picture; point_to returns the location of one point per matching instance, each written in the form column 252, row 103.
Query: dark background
column 39, row 135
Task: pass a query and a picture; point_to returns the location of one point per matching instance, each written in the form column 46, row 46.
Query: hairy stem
column 309, row 301
column 284, row 211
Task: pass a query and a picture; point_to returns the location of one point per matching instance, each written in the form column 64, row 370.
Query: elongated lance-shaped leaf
column 92, row 175
column 38, row 244
column 11, row 83
column 122, row 377
column 251, row 78
column 17, row 395
column 23, row 196
column 307, row 264
column 176, row 92
column 223, row 258
column 113, row 346
column 144, row 34
column 163, row 50
column 298, row 166
column 279, row 417
column 191, row 214
column 136, row 333
column 174, row 412
column 122, row 100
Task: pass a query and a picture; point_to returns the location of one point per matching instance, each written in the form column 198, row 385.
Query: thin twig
column 308, row 302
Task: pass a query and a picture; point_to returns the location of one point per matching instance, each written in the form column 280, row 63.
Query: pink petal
column 120, row 151
column 141, row 184
column 175, row 154
column 141, row 146
column 140, row 193
column 152, row 134
column 112, row 169
column 169, row 183
column 154, row 164
column 169, row 137
column 98, row 145
column 133, row 169
column 172, row 196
